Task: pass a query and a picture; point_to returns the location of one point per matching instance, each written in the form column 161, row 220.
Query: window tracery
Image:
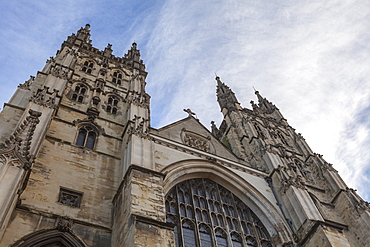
column 112, row 105
column 259, row 130
column 86, row 137
column 79, row 93
column 70, row 198
column 207, row 214
column 88, row 67
column 117, row 77
column 282, row 138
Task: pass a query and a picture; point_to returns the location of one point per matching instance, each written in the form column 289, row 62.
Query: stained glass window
column 206, row 214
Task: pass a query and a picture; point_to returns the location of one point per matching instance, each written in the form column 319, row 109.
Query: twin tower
column 80, row 165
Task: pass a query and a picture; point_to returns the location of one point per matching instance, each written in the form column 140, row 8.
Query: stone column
column 139, row 211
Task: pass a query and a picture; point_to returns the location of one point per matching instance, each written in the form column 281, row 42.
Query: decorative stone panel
column 197, row 141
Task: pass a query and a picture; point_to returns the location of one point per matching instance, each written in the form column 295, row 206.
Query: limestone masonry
column 80, row 165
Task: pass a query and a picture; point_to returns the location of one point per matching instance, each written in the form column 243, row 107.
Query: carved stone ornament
column 290, row 176
column 306, row 171
column 26, row 85
column 64, row 224
column 45, row 98
column 60, row 72
column 139, row 126
column 15, row 151
column 99, row 85
column 90, row 120
column 138, row 99
column 197, row 141
column 359, row 204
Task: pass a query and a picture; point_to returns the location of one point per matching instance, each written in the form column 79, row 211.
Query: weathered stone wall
column 25, row 221
column 60, row 163
column 139, row 218
column 356, row 214
column 324, row 236
column 9, row 118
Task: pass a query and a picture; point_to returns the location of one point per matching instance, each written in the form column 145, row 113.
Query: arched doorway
column 50, row 238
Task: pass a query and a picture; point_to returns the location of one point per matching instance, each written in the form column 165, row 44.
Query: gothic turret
column 84, row 34
column 266, row 108
column 82, row 37
column 226, row 97
column 133, row 55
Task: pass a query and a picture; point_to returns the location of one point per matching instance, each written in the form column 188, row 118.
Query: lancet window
column 86, row 137
column 112, row 105
column 79, row 93
column 208, row 215
column 117, row 77
column 259, row 130
column 88, row 67
column 282, row 138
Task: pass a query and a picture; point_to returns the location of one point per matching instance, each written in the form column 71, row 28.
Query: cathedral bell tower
column 68, row 136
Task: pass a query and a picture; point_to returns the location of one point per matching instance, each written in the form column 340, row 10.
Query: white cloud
column 308, row 57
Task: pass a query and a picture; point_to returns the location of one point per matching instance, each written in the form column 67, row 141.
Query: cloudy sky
column 311, row 58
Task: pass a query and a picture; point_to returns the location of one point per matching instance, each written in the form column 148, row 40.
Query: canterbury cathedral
column 81, row 165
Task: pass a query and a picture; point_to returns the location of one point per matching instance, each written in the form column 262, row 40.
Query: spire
column 134, row 53
column 108, row 50
column 264, row 105
column 84, row 34
column 226, row 97
column 82, row 37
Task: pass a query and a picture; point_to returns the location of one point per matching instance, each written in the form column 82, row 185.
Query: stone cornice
column 56, row 216
column 207, row 156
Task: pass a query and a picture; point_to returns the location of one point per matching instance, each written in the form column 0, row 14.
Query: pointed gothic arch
column 112, row 103
column 268, row 214
column 88, row 132
column 50, row 238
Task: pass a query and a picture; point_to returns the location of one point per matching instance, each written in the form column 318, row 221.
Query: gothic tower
column 80, row 165
column 318, row 206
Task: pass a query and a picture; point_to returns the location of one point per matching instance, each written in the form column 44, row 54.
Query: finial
column 87, row 26
column 189, row 112
column 256, row 91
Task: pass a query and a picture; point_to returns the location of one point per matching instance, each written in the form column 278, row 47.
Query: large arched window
column 86, row 137
column 206, row 214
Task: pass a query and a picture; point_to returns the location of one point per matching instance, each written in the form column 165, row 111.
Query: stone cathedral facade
column 80, row 165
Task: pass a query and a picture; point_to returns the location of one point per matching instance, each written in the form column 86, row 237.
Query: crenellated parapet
column 82, row 41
